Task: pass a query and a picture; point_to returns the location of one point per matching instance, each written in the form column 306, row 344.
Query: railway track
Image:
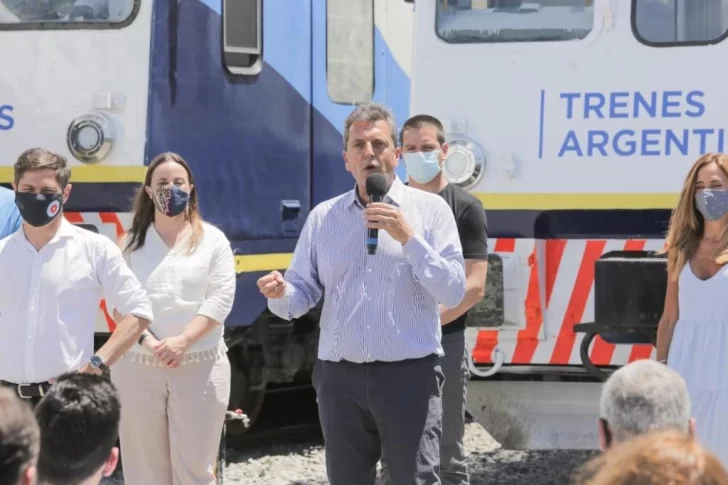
column 280, row 422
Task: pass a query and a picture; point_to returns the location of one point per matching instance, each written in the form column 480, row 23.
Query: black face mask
column 38, row 209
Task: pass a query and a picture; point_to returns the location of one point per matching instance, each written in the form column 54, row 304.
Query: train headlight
column 464, row 164
column 90, row 137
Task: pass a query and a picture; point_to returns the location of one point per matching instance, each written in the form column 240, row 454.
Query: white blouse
column 181, row 286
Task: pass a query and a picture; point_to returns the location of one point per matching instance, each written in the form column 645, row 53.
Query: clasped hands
column 168, row 351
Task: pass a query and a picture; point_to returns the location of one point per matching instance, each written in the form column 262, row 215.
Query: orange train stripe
column 109, row 319
column 602, row 352
column 488, row 339
column 527, row 339
column 484, row 345
column 577, row 302
column 640, row 352
column 505, row 245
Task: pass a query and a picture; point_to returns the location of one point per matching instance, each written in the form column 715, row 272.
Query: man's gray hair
column 370, row 112
column 642, row 396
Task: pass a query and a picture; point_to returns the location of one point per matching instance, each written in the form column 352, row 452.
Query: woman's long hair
column 658, row 457
column 144, row 207
column 687, row 224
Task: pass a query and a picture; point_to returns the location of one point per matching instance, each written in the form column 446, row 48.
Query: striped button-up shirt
column 382, row 307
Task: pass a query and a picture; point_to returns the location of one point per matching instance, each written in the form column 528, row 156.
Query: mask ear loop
column 607, row 432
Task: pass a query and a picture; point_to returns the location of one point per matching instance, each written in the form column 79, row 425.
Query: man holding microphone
column 378, row 377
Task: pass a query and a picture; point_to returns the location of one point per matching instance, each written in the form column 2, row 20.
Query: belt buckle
column 20, row 390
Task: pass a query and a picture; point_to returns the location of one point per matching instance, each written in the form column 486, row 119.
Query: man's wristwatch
column 145, row 334
column 97, row 363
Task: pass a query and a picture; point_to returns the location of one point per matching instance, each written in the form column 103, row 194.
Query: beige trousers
column 171, row 420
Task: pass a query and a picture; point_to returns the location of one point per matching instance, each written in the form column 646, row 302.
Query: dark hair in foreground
column 19, row 436
column 79, row 418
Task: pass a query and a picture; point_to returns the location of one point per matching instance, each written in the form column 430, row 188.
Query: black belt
column 29, row 391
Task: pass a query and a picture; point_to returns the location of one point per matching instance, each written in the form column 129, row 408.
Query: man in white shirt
column 53, row 276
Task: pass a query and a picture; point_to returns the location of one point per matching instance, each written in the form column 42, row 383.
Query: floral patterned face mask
column 170, row 200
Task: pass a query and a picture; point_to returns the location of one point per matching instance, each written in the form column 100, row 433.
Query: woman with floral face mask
column 692, row 336
column 175, row 383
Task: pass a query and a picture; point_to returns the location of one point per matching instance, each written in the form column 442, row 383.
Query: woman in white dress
column 692, row 336
column 175, row 383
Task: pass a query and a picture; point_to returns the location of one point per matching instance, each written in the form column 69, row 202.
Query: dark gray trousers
column 453, row 468
column 389, row 407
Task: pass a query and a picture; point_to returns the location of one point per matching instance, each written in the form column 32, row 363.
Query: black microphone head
column 377, row 184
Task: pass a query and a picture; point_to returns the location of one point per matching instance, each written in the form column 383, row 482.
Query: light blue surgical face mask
column 712, row 203
column 422, row 166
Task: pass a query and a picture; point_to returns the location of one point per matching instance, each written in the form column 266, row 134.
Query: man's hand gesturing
column 272, row 285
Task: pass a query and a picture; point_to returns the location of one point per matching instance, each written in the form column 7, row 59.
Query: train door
column 362, row 52
column 238, row 112
column 230, row 91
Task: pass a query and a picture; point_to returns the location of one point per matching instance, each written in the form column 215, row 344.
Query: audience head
column 643, row 396
column 79, row 419
column 19, row 440
column 658, row 457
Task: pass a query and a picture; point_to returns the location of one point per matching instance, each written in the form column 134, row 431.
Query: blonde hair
column 687, row 224
column 655, row 458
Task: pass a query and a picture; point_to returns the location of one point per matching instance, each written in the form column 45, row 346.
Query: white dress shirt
column 181, row 286
column 49, row 300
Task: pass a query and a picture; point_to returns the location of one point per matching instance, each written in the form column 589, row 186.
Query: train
column 573, row 121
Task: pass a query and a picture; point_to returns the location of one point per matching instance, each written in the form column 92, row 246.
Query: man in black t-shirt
column 423, row 148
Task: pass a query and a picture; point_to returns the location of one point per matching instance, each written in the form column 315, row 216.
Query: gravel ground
column 489, row 465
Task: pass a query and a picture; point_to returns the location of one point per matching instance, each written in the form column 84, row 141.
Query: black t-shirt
column 473, row 231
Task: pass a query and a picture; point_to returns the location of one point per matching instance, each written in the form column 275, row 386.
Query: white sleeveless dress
column 699, row 353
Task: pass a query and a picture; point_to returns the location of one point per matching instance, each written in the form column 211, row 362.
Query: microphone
column 376, row 190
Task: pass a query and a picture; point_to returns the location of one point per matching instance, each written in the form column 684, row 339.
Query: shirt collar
column 394, row 196
column 64, row 231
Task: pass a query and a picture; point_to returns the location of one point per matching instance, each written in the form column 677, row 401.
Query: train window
column 679, row 22
column 497, row 21
column 242, row 36
column 350, row 50
column 66, row 14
